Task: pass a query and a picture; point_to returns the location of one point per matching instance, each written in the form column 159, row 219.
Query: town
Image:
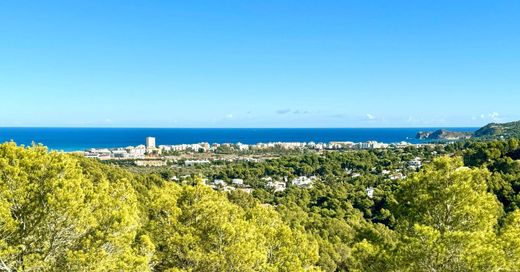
column 150, row 150
column 188, row 156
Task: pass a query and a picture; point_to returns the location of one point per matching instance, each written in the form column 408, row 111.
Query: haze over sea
column 73, row 139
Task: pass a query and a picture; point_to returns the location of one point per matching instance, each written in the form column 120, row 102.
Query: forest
column 458, row 212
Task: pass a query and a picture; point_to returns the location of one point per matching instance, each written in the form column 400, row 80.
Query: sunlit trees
column 53, row 217
column 61, row 212
column 509, row 240
column 196, row 228
column 446, row 220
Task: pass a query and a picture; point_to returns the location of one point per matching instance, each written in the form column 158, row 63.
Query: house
column 91, row 155
column 397, row 176
column 195, row 162
column 228, row 189
column 371, row 145
column 153, row 163
column 277, row 186
column 370, row 192
column 120, row 154
column 303, row 181
column 219, row 182
column 416, row 163
column 237, row 181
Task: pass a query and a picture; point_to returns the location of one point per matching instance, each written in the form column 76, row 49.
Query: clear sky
column 269, row 63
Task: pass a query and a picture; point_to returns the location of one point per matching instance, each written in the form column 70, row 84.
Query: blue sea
column 73, row 139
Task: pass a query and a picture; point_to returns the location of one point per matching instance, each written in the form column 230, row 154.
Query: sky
column 269, row 63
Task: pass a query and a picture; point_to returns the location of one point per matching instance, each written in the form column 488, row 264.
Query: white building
column 195, row 162
column 136, row 152
column 416, row 163
column 237, row 181
column 228, row 189
column 370, row 192
column 371, row 145
column 120, row 154
column 278, row 186
column 219, row 182
column 397, row 176
column 103, row 153
column 242, row 147
column 150, row 142
column 153, row 163
column 303, row 181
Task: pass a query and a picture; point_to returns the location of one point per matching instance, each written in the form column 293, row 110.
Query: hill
column 489, row 131
column 496, row 130
column 443, row 134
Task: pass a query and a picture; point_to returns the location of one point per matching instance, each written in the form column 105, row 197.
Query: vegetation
column 459, row 212
column 489, row 131
column 65, row 213
column 443, row 134
column 495, row 130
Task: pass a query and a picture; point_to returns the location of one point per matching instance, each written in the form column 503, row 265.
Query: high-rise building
column 150, row 142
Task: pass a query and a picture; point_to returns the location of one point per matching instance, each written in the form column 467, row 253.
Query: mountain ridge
column 489, row 131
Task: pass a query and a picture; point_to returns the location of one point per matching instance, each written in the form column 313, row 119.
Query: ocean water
column 72, row 139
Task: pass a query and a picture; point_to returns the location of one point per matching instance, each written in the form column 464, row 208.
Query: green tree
column 196, row 228
column 510, row 241
column 446, row 220
column 53, row 217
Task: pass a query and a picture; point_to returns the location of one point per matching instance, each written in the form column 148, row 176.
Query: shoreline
column 80, row 139
column 265, row 145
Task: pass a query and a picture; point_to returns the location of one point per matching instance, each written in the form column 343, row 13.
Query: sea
column 76, row 139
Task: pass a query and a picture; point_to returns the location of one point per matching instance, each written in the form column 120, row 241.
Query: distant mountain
column 489, row 131
column 443, row 134
column 496, row 130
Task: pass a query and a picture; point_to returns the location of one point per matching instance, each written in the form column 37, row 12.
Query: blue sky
column 269, row 63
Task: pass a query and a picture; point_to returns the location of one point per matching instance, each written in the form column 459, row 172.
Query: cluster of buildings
column 205, row 147
column 308, row 181
column 334, row 145
column 129, row 152
column 236, row 184
column 275, row 185
column 150, row 154
column 310, row 145
column 304, row 181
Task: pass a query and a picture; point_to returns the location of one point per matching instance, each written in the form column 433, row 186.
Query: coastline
column 79, row 139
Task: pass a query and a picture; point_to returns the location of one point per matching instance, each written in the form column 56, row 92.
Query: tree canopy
column 459, row 212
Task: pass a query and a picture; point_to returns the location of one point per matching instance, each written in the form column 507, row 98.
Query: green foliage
column 54, row 217
column 446, row 219
column 510, row 241
column 60, row 212
column 195, row 228
column 495, row 130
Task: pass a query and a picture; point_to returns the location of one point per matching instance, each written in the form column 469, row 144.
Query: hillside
column 489, row 131
column 62, row 212
column 496, row 130
column 443, row 134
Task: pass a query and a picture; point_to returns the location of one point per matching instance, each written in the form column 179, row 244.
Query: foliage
column 64, row 213
column 459, row 212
